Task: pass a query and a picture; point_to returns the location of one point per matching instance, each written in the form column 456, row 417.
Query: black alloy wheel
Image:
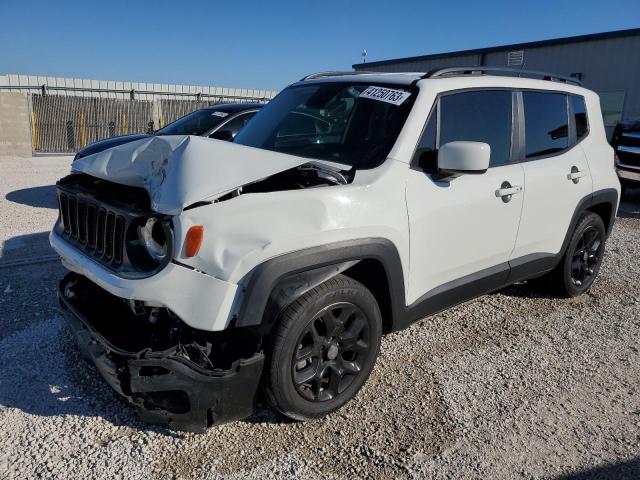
column 582, row 259
column 330, row 352
column 586, row 256
column 323, row 349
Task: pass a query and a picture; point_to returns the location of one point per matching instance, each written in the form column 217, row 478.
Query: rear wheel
column 324, row 349
column 582, row 260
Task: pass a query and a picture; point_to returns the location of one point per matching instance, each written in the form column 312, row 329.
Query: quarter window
column 481, row 116
column 580, row 116
column 427, row 148
column 546, row 123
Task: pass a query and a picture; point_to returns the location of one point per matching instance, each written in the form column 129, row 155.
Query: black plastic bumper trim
column 167, row 391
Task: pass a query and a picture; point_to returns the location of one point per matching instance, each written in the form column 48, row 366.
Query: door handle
column 506, row 191
column 576, row 174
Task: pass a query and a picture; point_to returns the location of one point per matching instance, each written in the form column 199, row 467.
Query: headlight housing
column 149, row 243
column 154, row 239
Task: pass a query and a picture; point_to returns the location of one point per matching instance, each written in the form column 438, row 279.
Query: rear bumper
column 164, row 386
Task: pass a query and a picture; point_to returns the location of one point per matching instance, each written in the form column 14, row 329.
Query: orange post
column 34, row 131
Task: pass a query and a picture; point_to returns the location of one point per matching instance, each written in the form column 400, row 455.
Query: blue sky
column 269, row 44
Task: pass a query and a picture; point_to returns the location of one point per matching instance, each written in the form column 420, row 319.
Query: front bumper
column 164, row 386
column 628, row 174
column 200, row 300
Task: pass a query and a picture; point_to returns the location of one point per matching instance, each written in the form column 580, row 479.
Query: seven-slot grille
column 97, row 228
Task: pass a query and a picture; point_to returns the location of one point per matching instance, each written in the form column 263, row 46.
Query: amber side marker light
column 194, row 240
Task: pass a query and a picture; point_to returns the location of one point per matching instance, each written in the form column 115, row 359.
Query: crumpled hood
column 180, row 170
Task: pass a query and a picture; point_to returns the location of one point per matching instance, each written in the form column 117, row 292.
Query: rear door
column 556, row 171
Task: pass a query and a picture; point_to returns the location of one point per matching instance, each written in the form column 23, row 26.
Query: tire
column 582, row 260
column 334, row 331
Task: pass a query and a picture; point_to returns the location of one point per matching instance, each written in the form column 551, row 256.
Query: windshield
column 195, row 123
column 355, row 124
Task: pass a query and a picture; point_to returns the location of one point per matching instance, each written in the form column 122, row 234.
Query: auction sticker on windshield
column 220, row 114
column 388, row 95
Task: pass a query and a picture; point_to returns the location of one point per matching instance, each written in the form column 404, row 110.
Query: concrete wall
column 15, row 127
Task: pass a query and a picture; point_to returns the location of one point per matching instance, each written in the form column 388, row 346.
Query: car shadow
column 26, row 249
column 627, row 470
column 535, row 288
column 39, row 197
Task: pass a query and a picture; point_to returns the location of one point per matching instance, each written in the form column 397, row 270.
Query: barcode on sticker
column 388, row 95
column 220, row 114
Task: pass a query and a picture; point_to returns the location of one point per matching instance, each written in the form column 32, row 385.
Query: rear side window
column 481, row 116
column 546, row 123
column 580, row 116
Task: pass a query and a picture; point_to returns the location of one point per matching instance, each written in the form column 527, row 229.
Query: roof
column 514, row 46
column 234, row 107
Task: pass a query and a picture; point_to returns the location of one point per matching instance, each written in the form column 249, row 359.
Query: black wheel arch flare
column 312, row 266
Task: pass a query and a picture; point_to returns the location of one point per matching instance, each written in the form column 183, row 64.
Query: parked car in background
column 626, row 142
column 222, row 121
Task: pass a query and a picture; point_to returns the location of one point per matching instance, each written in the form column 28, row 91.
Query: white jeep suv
column 205, row 274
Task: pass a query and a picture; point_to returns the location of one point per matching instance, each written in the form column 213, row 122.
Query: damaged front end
column 173, row 374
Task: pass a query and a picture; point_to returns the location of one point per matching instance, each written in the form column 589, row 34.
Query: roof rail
column 333, row 74
column 453, row 71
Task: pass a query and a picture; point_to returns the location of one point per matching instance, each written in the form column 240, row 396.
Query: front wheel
column 582, row 260
column 324, row 349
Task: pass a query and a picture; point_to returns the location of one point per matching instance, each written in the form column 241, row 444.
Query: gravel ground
column 514, row 385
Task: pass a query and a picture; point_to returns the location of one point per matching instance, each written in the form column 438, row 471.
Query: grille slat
column 64, row 211
column 94, row 226
column 102, row 219
column 108, row 235
column 118, row 240
column 92, row 214
column 82, row 221
column 73, row 217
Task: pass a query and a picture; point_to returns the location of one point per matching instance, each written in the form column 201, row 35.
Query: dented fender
column 244, row 232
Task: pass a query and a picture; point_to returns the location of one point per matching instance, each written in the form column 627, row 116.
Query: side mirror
column 464, row 157
column 226, row 135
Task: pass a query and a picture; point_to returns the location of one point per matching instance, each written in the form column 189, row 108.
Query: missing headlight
column 152, row 235
column 149, row 242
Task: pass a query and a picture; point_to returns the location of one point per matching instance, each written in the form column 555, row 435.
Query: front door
column 463, row 229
